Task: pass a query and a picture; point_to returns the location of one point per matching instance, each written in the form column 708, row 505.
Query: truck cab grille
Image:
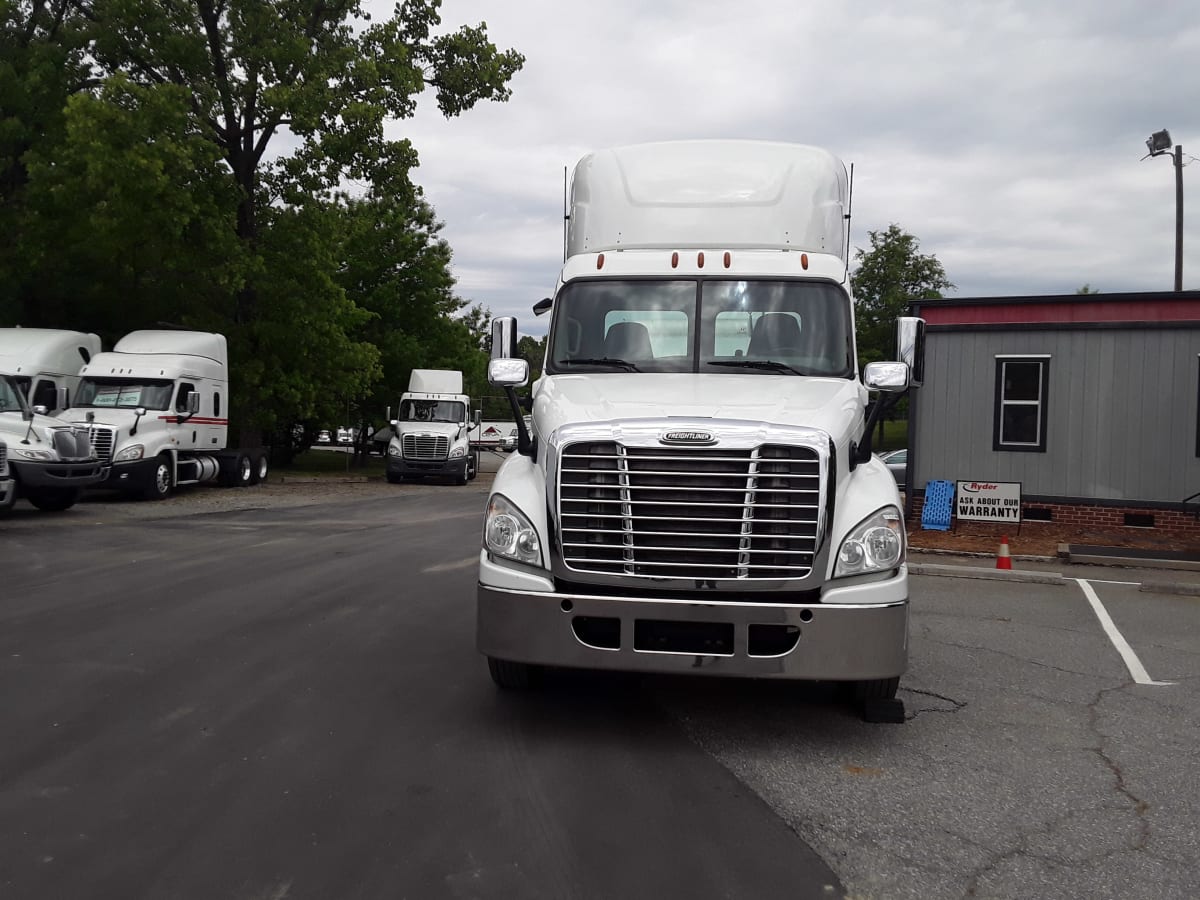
column 695, row 513
column 102, row 443
column 425, row 446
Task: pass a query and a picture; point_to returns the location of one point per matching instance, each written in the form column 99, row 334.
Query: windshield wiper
column 770, row 364
column 599, row 361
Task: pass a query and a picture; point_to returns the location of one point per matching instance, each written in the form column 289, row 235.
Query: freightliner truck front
column 697, row 492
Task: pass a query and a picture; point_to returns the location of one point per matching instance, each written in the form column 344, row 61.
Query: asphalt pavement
column 277, row 703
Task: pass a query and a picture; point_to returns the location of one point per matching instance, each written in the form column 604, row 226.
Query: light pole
column 1159, row 144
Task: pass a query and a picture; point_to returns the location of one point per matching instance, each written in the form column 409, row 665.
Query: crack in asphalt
column 1024, row 660
column 1140, row 806
column 956, row 705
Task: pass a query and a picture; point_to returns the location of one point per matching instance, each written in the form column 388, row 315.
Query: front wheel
column 513, row 676
column 472, row 466
column 876, row 689
column 54, row 499
column 159, row 485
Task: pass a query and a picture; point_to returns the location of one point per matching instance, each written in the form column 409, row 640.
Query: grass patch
column 331, row 463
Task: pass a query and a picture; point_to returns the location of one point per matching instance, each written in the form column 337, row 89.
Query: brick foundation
column 1175, row 522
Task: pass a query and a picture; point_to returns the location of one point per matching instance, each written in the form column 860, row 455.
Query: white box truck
column 432, row 435
column 697, row 493
column 43, row 362
column 48, row 460
column 157, row 406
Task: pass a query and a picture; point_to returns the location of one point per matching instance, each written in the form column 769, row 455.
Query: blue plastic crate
column 939, row 505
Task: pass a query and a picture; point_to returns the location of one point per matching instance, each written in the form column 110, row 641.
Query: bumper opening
column 771, row 640
column 602, row 632
column 705, row 638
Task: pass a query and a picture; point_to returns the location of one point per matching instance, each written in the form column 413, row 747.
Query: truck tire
column 162, row 479
column 472, row 465
column 513, row 676
column 54, row 499
column 394, row 478
column 243, row 472
column 876, row 689
column 261, row 467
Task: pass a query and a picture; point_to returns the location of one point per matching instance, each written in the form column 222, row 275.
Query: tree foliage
column 185, row 162
column 889, row 276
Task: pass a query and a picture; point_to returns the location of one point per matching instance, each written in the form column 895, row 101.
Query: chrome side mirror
column 910, row 347
column 889, row 377
column 508, row 373
column 504, row 337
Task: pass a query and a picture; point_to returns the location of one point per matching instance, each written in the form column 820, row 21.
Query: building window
column 1020, row 421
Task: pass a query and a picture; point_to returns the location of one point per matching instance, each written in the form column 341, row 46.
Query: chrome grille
column 425, row 446
column 696, row 513
column 102, row 443
column 71, row 443
column 3, row 459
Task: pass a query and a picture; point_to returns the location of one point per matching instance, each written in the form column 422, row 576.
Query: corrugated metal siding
column 1122, row 413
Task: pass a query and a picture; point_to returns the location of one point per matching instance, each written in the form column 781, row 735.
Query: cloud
column 1006, row 136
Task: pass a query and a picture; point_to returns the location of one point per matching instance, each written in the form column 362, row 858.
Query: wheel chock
column 889, row 711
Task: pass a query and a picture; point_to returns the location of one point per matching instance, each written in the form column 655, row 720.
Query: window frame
column 1042, row 403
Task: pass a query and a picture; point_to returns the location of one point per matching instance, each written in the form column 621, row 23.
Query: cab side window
column 45, row 394
column 181, row 399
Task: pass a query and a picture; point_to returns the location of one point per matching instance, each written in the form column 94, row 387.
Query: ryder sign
column 989, row 501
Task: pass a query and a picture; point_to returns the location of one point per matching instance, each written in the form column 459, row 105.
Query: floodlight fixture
column 1159, row 142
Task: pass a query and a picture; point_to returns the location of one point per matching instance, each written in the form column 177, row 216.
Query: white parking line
column 1132, row 663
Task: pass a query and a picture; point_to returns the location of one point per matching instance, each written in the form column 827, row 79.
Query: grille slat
column 688, row 513
column 102, row 443
column 425, row 446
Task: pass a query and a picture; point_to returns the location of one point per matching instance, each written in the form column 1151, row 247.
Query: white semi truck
column 49, row 461
column 697, row 493
column 43, row 362
column 157, row 407
column 8, row 487
column 432, row 434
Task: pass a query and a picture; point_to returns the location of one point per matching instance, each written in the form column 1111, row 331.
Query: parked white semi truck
column 697, row 493
column 45, row 361
column 432, row 434
column 49, row 460
column 157, row 406
column 8, row 487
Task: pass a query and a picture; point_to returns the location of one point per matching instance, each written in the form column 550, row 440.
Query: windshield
column 750, row 327
column 11, row 400
column 432, row 411
column 116, row 393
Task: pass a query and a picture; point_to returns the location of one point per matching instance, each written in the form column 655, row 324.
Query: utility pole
column 1179, row 217
column 1159, row 144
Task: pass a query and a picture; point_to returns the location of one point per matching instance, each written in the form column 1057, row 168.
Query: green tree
column 1087, row 289
column 889, row 276
column 246, row 118
column 42, row 63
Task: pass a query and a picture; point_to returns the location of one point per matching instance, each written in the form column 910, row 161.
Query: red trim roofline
column 1159, row 306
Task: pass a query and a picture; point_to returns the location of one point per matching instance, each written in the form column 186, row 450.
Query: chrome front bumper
column 826, row 641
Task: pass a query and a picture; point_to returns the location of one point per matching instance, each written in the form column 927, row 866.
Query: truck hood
column 833, row 405
column 447, row 428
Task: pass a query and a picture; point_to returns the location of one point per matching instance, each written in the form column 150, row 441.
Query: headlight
column 133, row 451
column 394, row 450
column 33, row 454
column 507, row 533
column 458, row 452
column 875, row 544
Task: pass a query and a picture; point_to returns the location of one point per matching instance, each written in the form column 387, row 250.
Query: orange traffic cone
column 1003, row 560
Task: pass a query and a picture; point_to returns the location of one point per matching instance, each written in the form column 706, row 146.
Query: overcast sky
column 1006, row 136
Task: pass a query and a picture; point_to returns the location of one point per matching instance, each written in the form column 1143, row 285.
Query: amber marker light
column 675, row 260
column 600, row 262
column 804, row 261
column 700, row 260
column 728, row 258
